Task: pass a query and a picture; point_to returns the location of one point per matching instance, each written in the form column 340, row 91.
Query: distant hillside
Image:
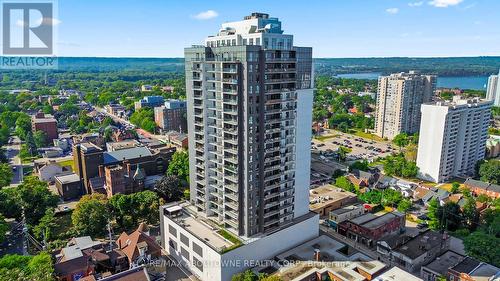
column 466, row 66
column 458, row 66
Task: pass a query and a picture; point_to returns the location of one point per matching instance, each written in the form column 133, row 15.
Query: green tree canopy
column 6, row 174
column 490, row 171
column 90, row 216
column 483, row 247
column 179, row 165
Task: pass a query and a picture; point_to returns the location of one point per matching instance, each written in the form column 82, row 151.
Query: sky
column 334, row 28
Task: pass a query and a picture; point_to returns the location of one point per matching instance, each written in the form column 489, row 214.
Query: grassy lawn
column 67, row 163
column 326, row 137
column 28, row 160
column 231, row 238
column 366, row 135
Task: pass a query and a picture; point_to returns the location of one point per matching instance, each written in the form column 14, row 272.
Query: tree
column 23, row 126
column 6, row 174
column 129, row 210
column 371, row 197
column 399, row 166
column 447, row 217
column 32, row 196
column 359, row 165
column 169, row 188
column 470, row 213
column 404, row 205
column 35, row 198
column 35, row 268
column 4, row 227
column 344, row 183
column 481, row 246
column 90, row 216
column 490, row 171
column 40, row 139
column 44, row 229
column 455, row 187
column 179, row 166
column 401, row 140
column 391, row 197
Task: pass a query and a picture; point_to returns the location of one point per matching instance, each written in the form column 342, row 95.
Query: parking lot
column 362, row 148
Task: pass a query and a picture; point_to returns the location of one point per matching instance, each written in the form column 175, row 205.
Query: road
column 12, row 151
column 127, row 123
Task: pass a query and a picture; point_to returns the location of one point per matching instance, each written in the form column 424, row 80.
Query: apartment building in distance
column 149, row 102
column 172, row 116
column 45, row 123
column 249, row 102
column 398, row 102
column 493, row 89
column 452, row 138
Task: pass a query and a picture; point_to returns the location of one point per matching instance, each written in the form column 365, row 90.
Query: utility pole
column 110, row 236
column 25, row 234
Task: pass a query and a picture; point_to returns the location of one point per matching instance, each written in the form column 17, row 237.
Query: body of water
column 462, row 82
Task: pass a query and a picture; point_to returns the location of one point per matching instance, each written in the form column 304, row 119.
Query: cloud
column 206, row 15
column 416, row 4
column 444, row 3
column 392, row 11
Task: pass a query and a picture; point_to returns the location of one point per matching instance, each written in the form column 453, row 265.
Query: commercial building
column 346, row 213
column 369, row 228
column 493, row 147
column 397, row 274
column 249, row 104
column 419, row 250
column 326, row 198
column 45, row 123
column 493, row 90
column 452, row 138
column 69, row 186
column 249, row 96
column 213, row 253
column 149, row 102
column 172, row 116
column 398, row 102
column 439, row 267
column 177, row 139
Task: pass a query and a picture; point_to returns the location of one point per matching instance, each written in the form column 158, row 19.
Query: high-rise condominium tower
column 493, row 90
column 452, row 138
column 398, row 102
column 249, row 94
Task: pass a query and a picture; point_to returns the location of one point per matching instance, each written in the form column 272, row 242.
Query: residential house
column 138, row 246
column 480, row 187
column 362, row 178
column 48, row 170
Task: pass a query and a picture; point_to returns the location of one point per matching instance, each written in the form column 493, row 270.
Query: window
column 172, row 244
column 197, row 249
column 184, row 240
column 198, row 264
column 172, row 230
column 185, row 253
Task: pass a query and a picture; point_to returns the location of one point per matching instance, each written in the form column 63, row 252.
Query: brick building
column 172, row 116
column 45, row 123
column 369, row 228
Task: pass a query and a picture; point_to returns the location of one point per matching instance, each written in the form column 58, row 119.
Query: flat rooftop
column 420, row 244
column 325, row 195
column 444, row 262
column 330, row 250
column 346, row 209
column 203, row 230
column 68, row 178
column 396, row 274
column 344, row 271
column 373, row 221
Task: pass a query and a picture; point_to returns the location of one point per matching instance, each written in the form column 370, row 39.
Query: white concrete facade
column 210, row 264
column 493, row 90
column 452, row 138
